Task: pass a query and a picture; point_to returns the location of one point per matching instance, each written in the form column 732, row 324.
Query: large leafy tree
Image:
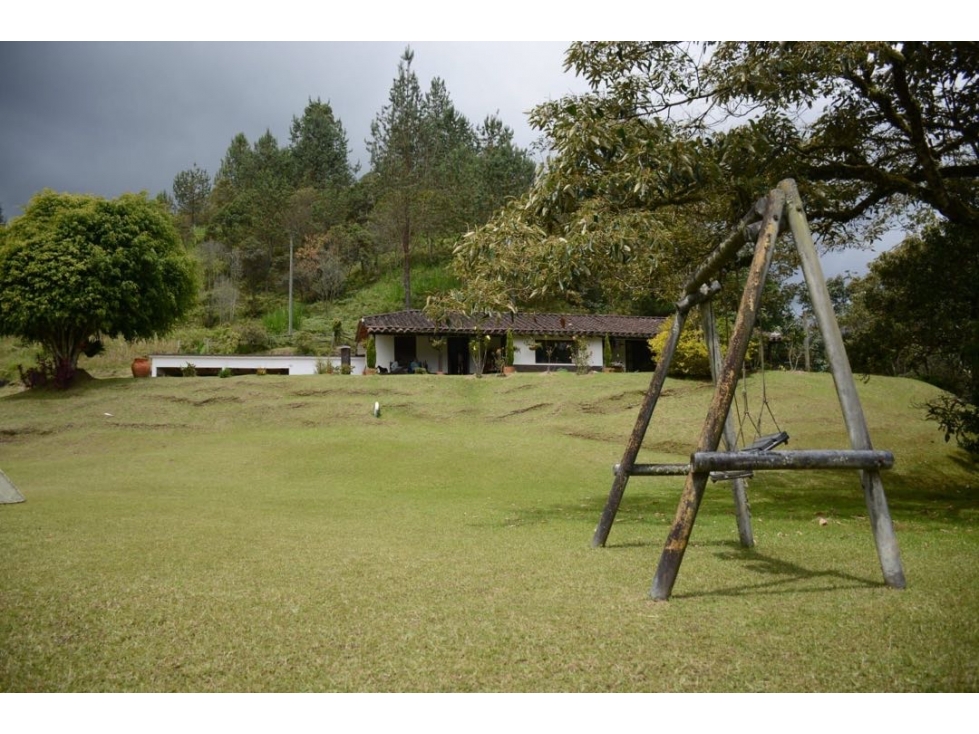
column 676, row 140
column 77, row 268
column 916, row 313
column 863, row 126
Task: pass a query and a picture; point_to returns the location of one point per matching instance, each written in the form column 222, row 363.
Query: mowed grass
column 269, row 534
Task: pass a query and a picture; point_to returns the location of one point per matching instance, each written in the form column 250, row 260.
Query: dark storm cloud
column 106, row 118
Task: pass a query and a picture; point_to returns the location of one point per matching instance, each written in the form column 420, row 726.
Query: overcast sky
column 107, row 118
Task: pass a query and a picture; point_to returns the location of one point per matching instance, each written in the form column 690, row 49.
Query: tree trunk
column 64, row 352
column 406, row 253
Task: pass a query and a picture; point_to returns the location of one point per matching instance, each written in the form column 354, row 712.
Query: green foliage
column 224, row 372
column 371, row 352
column 304, row 343
column 677, row 140
column 75, row 268
column 189, row 370
column 191, row 189
column 249, row 338
column 433, row 174
column 509, row 348
column 277, row 321
column 958, row 419
column 864, row 126
column 606, row 351
column 690, row 358
column 917, row 311
column 319, row 148
column 581, row 355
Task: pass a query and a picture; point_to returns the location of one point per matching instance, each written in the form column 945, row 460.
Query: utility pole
column 290, row 283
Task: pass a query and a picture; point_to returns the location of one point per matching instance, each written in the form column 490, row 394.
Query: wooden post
column 710, row 436
column 624, row 467
column 738, row 487
column 846, row 388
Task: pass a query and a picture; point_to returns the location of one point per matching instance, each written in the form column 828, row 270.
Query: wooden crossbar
column 655, row 470
column 708, row 461
column 727, row 461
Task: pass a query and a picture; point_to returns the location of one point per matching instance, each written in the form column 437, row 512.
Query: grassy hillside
column 268, row 533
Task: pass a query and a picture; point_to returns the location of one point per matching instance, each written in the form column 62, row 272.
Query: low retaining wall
column 173, row 364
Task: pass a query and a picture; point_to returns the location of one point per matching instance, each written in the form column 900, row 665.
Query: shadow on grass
column 917, row 495
column 779, row 577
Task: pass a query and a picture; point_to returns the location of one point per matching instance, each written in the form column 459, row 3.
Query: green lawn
column 269, row 534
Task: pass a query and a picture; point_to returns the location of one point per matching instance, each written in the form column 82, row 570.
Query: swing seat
column 727, row 476
column 762, row 443
column 767, row 443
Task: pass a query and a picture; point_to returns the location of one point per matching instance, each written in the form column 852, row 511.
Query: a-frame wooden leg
column 846, row 389
column 639, row 432
column 739, row 490
column 693, row 489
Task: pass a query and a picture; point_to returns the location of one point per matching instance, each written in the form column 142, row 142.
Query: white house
column 542, row 341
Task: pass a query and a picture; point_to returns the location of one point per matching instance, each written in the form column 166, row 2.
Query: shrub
column 606, row 352
column 303, row 343
column 324, row 367
column 690, row 358
column 251, row 338
column 225, row 372
column 371, row 353
column 509, row 348
column 189, row 371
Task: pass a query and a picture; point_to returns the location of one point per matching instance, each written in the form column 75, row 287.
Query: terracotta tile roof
column 535, row 324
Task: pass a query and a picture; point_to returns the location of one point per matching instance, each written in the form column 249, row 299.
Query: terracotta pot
column 509, row 370
column 142, row 367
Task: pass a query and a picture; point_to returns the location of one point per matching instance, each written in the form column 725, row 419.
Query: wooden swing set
column 768, row 218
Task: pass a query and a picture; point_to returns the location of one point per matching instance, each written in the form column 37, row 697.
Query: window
column 554, row 351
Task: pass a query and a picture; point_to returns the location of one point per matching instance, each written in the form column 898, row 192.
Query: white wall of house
column 384, row 348
column 425, row 352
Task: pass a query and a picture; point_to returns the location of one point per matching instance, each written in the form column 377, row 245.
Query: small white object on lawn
column 377, row 409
